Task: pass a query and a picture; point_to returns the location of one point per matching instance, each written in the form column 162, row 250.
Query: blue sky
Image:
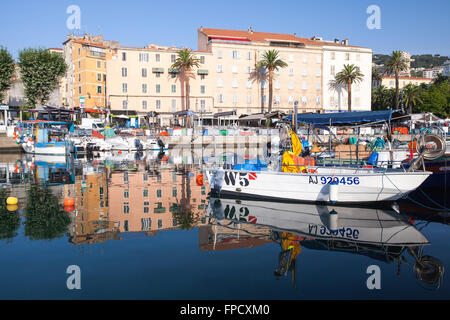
column 414, row 26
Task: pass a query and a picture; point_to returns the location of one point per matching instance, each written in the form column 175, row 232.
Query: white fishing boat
column 354, row 224
column 326, row 184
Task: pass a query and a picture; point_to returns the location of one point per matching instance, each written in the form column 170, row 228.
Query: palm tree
column 394, row 65
column 377, row 76
column 349, row 75
column 259, row 76
column 271, row 61
column 185, row 62
column 411, row 94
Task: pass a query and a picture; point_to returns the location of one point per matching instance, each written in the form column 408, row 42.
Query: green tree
column 6, row 71
column 41, row 71
column 394, row 65
column 271, row 61
column 44, row 215
column 436, row 99
column 185, row 63
column 377, row 76
column 412, row 96
column 349, row 75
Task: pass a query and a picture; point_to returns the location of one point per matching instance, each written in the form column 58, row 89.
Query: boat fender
column 12, row 200
column 199, row 180
column 334, row 191
column 333, row 220
column 69, row 202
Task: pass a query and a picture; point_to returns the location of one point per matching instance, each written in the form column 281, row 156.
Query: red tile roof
column 407, row 78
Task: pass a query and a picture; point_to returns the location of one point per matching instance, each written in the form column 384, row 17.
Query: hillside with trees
column 420, row 61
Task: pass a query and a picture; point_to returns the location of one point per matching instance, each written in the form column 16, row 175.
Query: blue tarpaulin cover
column 343, row 117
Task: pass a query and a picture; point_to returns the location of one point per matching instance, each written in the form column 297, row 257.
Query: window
column 291, row 85
column 124, row 88
column 304, row 85
column 220, row 98
column 144, row 88
column 174, row 88
column 249, row 98
column 356, row 101
column 158, row 88
column 174, row 105
column 291, row 58
column 158, row 75
column 79, row 90
column 291, row 99
column 277, row 99
column 347, row 56
column 277, row 84
column 99, row 89
column 318, row 86
column 317, row 100
column 235, row 54
column 104, row 77
column 145, row 193
column 202, row 89
column 249, row 84
column 159, row 224
column 79, row 51
column 172, row 58
column 219, row 54
column 202, row 105
column 358, row 57
column 124, row 104
column 249, row 55
column 318, row 72
column 304, row 100
column 124, row 56
column 126, row 208
column 157, row 57
column 144, row 72
column 79, row 77
column 219, row 68
column 174, row 192
column 99, row 77
column 125, row 177
column 143, row 57
column 333, row 56
column 79, row 64
column 234, row 83
column 291, row 71
column 304, row 72
column 264, row 99
column 202, row 59
column 219, row 83
column 249, row 70
column 234, row 68
column 124, row 72
column 159, row 193
column 144, row 104
column 158, row 104
column 332, row 71
column 126, row 193
column 235, row 98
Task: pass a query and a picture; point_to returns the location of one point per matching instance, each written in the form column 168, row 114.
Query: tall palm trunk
column 270, row 89
column 187, row 106
column 396, row 89
column 349, row 96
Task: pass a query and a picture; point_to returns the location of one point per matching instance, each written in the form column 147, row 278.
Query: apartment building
column 85, row 83
column 433, row 72
column 389, row 81
column 240, row 87
column 336, row 54
column 141, row 80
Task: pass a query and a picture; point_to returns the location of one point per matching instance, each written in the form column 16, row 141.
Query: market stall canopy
column 224, row 114
column 343, row 117
column 424, row 117
column 183, row 113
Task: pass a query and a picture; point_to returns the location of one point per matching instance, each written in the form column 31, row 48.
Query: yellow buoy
column 12, row 207
column 11, row 200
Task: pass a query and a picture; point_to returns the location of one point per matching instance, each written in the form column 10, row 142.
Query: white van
column 95, row 124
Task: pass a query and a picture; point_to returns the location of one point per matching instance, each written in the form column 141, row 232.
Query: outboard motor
column 138, row 144
column 161, row 144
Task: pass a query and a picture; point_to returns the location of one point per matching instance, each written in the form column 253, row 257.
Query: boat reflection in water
column 379, row 234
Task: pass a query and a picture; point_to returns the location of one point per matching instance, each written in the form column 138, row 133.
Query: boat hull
column 353, row 185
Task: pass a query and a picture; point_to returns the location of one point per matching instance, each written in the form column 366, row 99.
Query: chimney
column 201, row 28
column 336, row 40
column 250, row 30
column 295, row 34
column 344, row 42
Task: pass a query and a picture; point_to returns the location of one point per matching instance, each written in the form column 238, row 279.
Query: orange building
column 85, row 82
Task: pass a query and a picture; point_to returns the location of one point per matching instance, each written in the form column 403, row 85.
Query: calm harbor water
column 143, row 228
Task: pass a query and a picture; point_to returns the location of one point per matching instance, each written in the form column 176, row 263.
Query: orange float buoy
column 199, row 180
column 69, row 209
column 69, row 202
column 120, row 152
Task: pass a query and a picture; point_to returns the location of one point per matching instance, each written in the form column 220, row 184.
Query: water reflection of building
column 91, row 220
column 149, row 200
